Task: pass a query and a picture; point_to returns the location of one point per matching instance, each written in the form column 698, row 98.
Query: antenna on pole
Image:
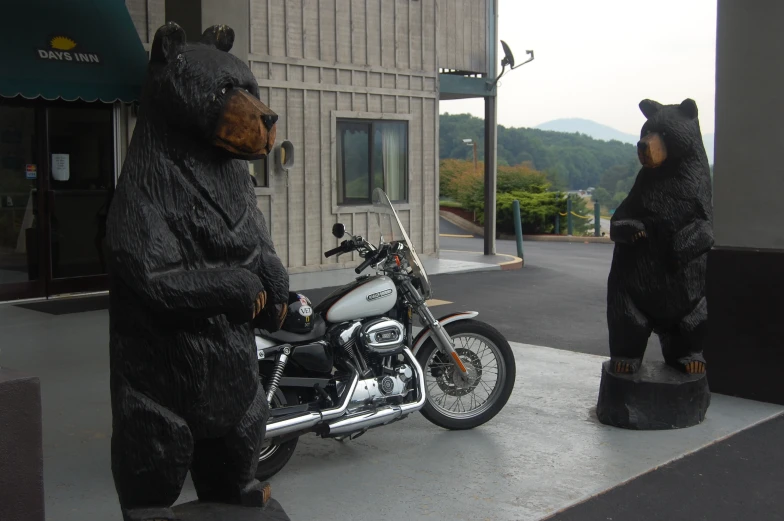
column 510, row 61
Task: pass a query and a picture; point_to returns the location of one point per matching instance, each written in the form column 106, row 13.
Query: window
column 372, row 154
column 258, row 171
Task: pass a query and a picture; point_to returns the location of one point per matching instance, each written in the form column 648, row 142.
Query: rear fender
column 426, row 333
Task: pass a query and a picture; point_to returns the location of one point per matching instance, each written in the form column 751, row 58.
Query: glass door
column 80, row 185
column 21, row 255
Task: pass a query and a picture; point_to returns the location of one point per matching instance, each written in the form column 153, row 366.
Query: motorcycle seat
column 287, row 337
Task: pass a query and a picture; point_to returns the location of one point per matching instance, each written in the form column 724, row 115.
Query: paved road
column 737, row 478
column 557, row 300
column 448, row 228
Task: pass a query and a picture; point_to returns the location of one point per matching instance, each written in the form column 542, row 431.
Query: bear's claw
column 260, row 303
column 623, row 367
column 695, row 367
column 639, row 235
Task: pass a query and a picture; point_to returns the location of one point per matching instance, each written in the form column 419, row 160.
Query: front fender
column 426, row 333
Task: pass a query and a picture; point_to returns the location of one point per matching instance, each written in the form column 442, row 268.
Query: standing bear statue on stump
column 192, row 270
column 663, row 232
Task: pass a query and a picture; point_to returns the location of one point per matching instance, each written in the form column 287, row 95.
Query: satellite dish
column 509, row 61
column 508, row 56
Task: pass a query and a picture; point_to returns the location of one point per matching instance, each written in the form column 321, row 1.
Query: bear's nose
column 642, row 146
column 269, row 121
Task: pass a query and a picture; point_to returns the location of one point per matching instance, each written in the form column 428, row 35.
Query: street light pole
column 472, row 142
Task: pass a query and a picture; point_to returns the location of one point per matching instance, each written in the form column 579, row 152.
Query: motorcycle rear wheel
column 442, row 383
column 274, row 457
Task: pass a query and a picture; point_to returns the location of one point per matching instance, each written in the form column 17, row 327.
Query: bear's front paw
column 627, row 231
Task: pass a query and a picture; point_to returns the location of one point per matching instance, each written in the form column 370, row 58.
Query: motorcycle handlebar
column 370, row 259
column 367, row 262
column 345, row 247
column 333, row 251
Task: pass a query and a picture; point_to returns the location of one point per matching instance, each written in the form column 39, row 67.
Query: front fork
column 441, row 338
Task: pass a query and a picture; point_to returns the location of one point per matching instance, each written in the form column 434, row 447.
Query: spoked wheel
column 274, row 457
column 455, row 402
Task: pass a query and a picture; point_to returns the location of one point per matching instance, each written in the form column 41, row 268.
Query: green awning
column 70, row 49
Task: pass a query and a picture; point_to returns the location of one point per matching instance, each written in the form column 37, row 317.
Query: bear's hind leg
column 224, row 469
column 629, row 332
column 151, row 448
column 682, row 346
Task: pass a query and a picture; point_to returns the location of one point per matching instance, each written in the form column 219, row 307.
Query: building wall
column 745, row 281
column 749, row 176
column 462, row 35
column 316, row 60
column 147, row 16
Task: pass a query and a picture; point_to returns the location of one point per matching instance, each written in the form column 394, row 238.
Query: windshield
column 392, row 229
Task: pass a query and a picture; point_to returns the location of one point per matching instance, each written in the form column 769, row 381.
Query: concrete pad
column 544, row 452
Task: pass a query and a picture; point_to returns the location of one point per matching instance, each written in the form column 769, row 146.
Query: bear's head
column 202, row 91
column 670, row 132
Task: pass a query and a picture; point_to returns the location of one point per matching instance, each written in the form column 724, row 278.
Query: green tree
column 602, row 196
column 569, row 161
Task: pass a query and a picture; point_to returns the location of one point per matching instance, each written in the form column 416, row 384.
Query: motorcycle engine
column 383, row 337
column 373, row 347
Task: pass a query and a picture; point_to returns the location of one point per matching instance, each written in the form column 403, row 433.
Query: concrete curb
column 514, row 262
column 462, row 223
column 566, row 238
column 479, row 232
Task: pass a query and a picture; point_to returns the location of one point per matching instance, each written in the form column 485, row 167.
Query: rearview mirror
column 338, row 230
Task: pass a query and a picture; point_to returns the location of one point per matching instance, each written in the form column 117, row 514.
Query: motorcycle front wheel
column 457, row 403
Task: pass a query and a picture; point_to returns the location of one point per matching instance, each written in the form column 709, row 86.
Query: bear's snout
column 246, row 126
column 651, row 150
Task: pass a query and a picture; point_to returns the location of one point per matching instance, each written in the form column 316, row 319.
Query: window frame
column 353, row 205
column 265, row 169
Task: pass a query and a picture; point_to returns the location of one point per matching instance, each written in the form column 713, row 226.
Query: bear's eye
column 227, row 88
column 663, row 133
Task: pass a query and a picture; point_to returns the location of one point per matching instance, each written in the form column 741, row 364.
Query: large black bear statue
column 662, row 232
column 192, row 268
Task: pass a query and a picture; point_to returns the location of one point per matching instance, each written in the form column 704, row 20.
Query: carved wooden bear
column 662, row 232
column 191, row 265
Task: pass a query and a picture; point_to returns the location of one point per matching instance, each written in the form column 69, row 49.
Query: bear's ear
column 219, row 36
column 689, row 108
column 167, row 42
column 649, row 108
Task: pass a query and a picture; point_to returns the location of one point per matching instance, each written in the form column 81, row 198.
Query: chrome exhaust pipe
column 364, row 421
column 384, row 415
column 310, row 419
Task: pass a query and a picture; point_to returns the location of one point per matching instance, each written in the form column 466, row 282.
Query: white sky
column 596, row 59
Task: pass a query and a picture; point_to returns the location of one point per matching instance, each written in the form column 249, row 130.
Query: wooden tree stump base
column 198, row 511
column 657, row 397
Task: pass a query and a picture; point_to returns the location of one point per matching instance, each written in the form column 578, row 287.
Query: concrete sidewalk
column 448, row 262
column 543, row 453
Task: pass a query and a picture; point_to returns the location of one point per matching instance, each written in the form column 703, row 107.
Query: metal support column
column 491, row 148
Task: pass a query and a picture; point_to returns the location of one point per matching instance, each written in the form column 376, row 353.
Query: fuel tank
column 365, row 297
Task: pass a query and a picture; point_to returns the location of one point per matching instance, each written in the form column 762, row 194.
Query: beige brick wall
column 147, row 16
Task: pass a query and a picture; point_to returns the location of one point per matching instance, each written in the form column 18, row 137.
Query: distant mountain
column 589, row 128
column 605, row 133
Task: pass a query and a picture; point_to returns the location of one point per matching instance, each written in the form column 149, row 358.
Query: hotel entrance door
column 57, row 167
column 20, row 176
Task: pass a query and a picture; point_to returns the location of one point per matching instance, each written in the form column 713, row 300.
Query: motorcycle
column 359, row 366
